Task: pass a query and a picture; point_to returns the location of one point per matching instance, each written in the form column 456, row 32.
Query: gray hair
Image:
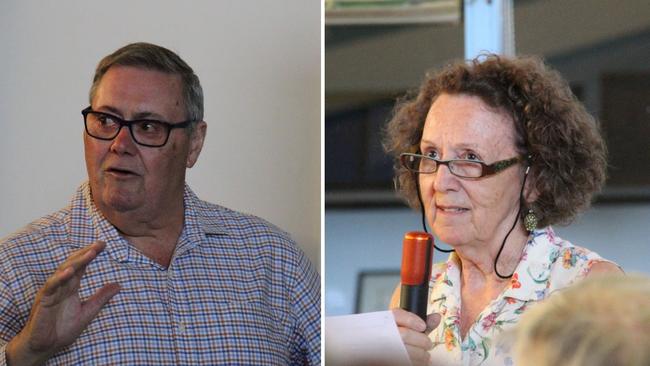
column 152, row 57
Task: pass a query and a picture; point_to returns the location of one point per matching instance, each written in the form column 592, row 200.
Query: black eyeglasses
column 145, row 132
column 463, row 168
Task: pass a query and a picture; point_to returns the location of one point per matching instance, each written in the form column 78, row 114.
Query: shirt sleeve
column 9, row 318
column 306, row 349
column 3, row 354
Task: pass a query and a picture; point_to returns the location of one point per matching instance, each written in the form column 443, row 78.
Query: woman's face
column 465, row 211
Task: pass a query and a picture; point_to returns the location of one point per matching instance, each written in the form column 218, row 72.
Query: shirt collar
column 530, row 280
column 199, row 213
column 88, row 224
column 198, row 223
column 531, row 276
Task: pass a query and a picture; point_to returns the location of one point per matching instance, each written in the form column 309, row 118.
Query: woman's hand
column 414, row 332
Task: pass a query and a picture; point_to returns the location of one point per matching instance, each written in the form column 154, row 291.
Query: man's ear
column 196, row 143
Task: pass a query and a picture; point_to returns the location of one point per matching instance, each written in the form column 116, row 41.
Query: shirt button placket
column 178, row 303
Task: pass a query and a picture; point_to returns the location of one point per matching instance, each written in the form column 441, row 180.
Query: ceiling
column 376, row 61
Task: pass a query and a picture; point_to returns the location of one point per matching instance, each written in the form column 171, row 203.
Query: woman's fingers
column 407, row 319
column 412, row 330
column 433, row 320
column 418, row 356
column 415, row 339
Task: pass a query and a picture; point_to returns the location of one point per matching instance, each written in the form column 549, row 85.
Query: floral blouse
column 548, row 263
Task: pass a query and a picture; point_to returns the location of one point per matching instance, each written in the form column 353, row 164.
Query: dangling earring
column 530, row 220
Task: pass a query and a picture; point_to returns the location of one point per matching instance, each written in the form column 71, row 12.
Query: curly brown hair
column 568, row 155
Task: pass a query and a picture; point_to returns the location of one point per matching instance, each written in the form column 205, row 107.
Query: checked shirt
column 238, row 291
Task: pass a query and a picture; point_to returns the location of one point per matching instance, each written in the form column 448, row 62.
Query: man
column 138, row 270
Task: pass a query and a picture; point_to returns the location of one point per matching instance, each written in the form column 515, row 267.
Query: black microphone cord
column 521, row 197
column 424, row 220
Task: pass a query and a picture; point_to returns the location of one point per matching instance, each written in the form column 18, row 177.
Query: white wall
column 259, row 63
column 371, row 239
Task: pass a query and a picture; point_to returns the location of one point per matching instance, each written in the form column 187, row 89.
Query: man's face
column 125, row 176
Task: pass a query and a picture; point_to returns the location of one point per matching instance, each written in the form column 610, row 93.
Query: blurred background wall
column 601, row 47
column 258, row 62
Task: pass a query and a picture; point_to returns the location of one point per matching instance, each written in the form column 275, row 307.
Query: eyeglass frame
column 487, row 169
column 128, row 123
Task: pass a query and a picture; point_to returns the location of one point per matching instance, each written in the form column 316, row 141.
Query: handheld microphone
column 416, row 272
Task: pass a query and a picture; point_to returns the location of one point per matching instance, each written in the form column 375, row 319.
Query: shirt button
column 181, row 328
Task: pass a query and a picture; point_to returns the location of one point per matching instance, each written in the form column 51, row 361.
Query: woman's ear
column 530, row 189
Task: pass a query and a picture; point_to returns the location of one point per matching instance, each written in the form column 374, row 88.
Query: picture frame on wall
column 375, row 288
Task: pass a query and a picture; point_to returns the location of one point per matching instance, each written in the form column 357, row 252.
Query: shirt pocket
column 246, row 332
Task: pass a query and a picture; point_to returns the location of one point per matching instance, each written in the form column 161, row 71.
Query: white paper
column 364, row 339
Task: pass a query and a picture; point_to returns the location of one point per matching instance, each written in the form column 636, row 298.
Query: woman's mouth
column 451, row 209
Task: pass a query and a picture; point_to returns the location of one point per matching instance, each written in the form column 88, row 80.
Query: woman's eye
column 432, row 154
column 472, row 156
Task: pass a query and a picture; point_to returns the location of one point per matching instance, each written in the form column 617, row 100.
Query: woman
column 494, row 152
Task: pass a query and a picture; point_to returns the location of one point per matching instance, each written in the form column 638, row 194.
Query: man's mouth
column 121, row 172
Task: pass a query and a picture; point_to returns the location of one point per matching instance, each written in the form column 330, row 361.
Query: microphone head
column 416, row 258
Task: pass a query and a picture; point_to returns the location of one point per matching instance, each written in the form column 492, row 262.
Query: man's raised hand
column 58, row 315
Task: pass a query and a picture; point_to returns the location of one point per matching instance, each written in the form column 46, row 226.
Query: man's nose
column 123, row 142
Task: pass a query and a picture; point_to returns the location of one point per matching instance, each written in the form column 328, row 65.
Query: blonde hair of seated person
column 601, row 321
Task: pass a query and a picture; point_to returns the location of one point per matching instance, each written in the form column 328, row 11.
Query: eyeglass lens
column 461, row 168
column 104, row 126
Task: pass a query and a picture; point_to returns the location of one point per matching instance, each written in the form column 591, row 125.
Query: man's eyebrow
column 108, row 109
column 148, row 115
column 137, row 116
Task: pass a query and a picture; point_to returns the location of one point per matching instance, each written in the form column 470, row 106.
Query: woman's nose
column 443, row 179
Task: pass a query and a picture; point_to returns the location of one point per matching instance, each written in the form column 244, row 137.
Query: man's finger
column 57, row 280
column 77, row 261
column 96, row 302
column 97, row 246
column 82, row 257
